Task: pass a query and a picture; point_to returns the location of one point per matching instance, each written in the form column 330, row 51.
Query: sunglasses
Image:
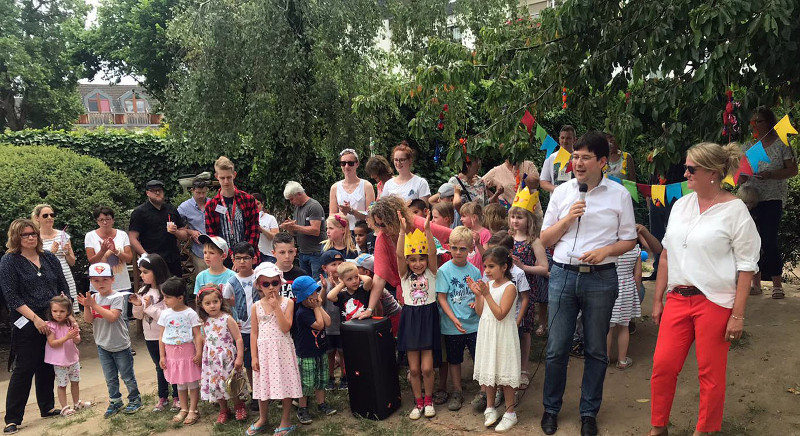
column 690, row 168
column 273, row 283
column 348, row 163
column 29, row 235
column 48, row 215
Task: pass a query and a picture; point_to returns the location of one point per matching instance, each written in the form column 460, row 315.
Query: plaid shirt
column 247, row 204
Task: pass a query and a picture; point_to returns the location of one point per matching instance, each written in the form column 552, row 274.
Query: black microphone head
column 583, row 187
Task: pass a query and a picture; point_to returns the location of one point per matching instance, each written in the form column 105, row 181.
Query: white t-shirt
column 247, row 285
column 719, row 242
column 178, row 325
column 416, row 187
column 122, row 281
column 268, row 222
column 607, row 220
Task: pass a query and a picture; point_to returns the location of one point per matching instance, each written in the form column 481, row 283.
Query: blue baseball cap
column 303, row 287
column 328, row 257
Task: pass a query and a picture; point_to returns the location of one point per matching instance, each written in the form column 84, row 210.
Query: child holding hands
column 61, row 351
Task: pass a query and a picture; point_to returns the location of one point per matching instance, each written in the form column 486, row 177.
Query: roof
column 115, row 92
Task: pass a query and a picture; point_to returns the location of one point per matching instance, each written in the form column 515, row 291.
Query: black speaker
column 371, row 365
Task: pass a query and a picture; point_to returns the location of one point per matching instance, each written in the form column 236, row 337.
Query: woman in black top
column 29, row 278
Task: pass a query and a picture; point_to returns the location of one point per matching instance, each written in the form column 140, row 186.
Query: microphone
column 582, row 188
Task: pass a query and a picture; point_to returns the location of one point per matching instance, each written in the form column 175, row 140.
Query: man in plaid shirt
column 232, row 214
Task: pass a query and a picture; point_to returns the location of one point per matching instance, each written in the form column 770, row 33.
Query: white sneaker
column 430, row 412
column 416, row 413
column 508, row 421
column 490, row 417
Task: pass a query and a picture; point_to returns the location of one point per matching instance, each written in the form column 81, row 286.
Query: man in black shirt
column 155, row 227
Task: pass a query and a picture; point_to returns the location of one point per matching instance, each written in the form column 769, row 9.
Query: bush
column 73, row 184
column 789, row 233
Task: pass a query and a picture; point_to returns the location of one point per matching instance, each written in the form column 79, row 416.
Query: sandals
column 67, row 411
column 192, row 417
column 625, row 364
column 777, row 294
column 253, row 430
column 80, row 405
column 181, row 416
column 283, row 431
column 524, row 380
column 439, row 397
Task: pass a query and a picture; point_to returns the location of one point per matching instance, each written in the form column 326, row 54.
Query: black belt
column 585, row 268
column 686, row 291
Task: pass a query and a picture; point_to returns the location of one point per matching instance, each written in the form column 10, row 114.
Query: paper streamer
column 783, row 128
column 673, row 192
column 755, row 155
column 631, row 187
column 549, row 144
column 657, row 193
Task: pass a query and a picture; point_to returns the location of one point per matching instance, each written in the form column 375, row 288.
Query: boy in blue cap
column 311, row 346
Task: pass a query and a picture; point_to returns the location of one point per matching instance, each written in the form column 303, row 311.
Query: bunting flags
column 562, row 158
column 549, row 144
column 528, row 120
column 658, row 193
column 673, row 192
column 631, row 187
column 540, row 132
column 756, row 154
column 783, row 127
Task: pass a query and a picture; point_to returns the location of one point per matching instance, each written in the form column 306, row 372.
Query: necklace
column 38, row 269
column 699, row 215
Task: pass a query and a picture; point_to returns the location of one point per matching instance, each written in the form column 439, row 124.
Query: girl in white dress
column 497, row 353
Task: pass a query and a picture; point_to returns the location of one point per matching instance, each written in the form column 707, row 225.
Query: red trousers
column 686, row 320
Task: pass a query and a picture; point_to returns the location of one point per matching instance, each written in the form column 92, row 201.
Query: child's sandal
column 67, row 411
column 181, row 416
column 80, row 405
column 192, row 417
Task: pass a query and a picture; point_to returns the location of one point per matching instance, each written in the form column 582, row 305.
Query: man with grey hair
column 306, row 227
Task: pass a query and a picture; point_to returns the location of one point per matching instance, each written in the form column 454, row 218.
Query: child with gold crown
column 418, row 334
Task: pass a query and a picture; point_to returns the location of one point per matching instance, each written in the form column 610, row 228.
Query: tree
column 130, row 39
column 656, row 70
column 39, row 69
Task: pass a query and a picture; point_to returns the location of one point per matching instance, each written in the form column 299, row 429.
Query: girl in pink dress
column 181, row 349
column 276, row 375
column 61, row 351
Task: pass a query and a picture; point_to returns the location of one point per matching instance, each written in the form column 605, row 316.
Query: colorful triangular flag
column 631, row 187
column 528, row 120
column 685, row 188
column 783, row 128
column 673, row 192
column 756, row 154
column 643, row 189
column 549, row 144
column 658, row 194
column 562, row 157
column 540, row 132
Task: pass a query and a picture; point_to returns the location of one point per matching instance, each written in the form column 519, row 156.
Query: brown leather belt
column 686, row 291
column 585, row 268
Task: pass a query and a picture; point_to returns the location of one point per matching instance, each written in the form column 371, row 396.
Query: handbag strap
column 464, row 189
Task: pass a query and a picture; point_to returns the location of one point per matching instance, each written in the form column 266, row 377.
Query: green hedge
column 73, row 184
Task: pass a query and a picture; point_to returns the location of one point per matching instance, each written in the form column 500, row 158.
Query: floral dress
column 219, row 354
column 538, row 284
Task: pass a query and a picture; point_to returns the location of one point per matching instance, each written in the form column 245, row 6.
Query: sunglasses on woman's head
column 690, row 168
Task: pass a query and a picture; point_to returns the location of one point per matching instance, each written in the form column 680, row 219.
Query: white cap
column 100, row 270
column 267, row 269
column 216, row 240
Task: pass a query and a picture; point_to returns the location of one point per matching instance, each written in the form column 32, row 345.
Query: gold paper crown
column 525, row 199
column 416, row 243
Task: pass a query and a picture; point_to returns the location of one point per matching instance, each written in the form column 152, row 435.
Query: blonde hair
column 223, row 164
column 722, row 159
column 462, row 234
column 748, row 195
column 14, row 241
column 495, row 217
column 349, row 245
column 533, row 224
column 472, row 208
column 346, row 268
column 445, row 210
column 386, row 209
column 36, row 211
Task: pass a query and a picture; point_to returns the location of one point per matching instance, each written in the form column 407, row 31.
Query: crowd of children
column 277, row 330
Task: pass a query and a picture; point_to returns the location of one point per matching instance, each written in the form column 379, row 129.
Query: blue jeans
column 311, row 263
column 593, row 294
column 163, row 384
column 119, row 363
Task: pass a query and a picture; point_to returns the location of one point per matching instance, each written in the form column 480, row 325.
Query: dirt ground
column 762, row 368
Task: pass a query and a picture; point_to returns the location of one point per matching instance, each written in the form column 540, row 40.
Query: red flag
column 643, row 189
column 569, row 167
column 744, row 168
column 528, row 120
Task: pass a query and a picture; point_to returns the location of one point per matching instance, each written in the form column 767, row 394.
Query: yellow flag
column 729, row 180
column 783, row 128
column 657, row 193
column 562, row 157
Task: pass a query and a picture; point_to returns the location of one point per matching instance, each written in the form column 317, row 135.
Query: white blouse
column 707, row 250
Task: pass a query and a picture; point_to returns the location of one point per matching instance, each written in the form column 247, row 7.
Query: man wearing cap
column 155, row 227
column 193, row 213
column 232, row 213
column 307, row 226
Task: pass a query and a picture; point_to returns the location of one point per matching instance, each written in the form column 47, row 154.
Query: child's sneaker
column 241, row 412
column 490, row 417
column 162, row 403
column 331, row 386
column 416, row 413
column 509, row 419
column 176, row 405
column 326, row 409
column 343, row 384
column 303, row 416
column 132, row 407
column 113, row 408
column 430, row 412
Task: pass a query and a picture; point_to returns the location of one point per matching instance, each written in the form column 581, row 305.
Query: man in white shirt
column 553, row 175
column 588, row 235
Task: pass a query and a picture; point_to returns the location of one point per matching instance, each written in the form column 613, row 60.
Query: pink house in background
column 117, row 106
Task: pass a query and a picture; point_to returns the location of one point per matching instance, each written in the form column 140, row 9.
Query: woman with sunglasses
column 710, row 254
column 771, row 184
column 405, row 184
column 29, row 277
column 352, row 195
column 57, row 242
